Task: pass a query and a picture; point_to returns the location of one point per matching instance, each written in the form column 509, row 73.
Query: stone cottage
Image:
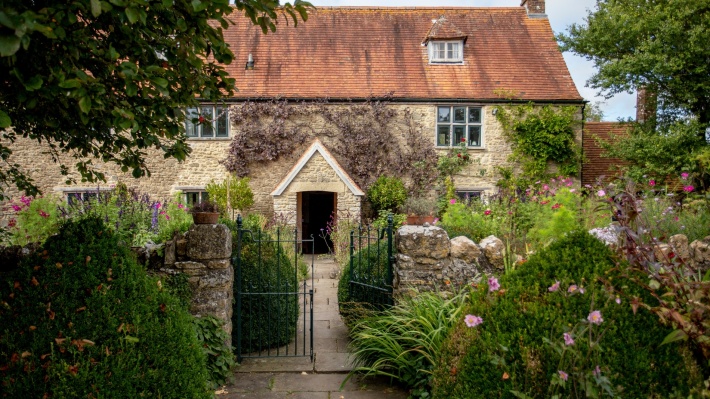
column 445, row 68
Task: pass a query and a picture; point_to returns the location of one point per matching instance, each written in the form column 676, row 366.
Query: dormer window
column 450, row 51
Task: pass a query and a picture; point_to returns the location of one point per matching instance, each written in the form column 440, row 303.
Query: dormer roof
column 442, row 29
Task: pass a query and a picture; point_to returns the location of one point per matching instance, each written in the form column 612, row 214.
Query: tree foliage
column 109, row 79
column 658, row 44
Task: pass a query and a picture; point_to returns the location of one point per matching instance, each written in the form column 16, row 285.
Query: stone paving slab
column 298, row 377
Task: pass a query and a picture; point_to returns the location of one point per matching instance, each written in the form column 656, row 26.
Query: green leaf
column 198, row 5
column 676, row 335
column 654, row 284
column 131, row 340
column 160, row 82
column 520, row 395
column 9, row 44
column 34, row 83
column 70, row 84
column 85, row 104
column 5, row 120
column 132, row 15
column 95, row 8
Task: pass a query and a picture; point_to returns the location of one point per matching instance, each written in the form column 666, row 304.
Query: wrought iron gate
column 273, row 310
column 371, row 260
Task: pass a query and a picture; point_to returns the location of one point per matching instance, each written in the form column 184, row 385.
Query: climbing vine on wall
column 369, row 138
column 540, row 136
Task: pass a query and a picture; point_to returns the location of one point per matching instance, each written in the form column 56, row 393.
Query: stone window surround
column 66, row 192
column 184, row 190
column 451, row 123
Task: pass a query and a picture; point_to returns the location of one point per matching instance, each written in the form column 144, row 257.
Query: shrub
column 404, row 342
column 82, row 319
column 267, row 320
column 240, row 195
column 517, row 347
column 387, row 193
column 369, row 265
column 34, row 219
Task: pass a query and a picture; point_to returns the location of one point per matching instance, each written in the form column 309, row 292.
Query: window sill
column 446, row 62
column 209, row 138
column 438, row 147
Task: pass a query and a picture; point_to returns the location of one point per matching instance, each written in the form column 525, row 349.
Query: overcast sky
column 561, row 13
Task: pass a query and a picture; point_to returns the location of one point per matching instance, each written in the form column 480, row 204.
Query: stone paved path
column 298, row 377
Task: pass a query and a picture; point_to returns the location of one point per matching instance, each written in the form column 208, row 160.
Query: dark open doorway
column 316, row 210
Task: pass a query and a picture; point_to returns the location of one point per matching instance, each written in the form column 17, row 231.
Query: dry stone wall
column 428, row 260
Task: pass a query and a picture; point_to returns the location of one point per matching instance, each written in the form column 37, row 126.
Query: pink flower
column 545, row 202
column 617, row 300
column 572, row 289
column 473, row 321
column 181, row 206
column 493, row 284
column 554, row 287
column 12, row 223
column 43, row 214
column 568, row 339
column 487, row 212
column 597, row 371
column 545, row 187
column 16, row 208
column 582, row 290
column 683, row 176
column 601, row 193
column 452, row 201
column 688, row 189
column 651, row 182
column 563, row 375
column 26, row 200
column 556, row 206
column 167, row 217
column 157, row 205
column 595, row 317
column 436, row 220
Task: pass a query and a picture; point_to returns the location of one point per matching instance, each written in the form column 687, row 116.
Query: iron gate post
column 239, row 288
column 390, row 258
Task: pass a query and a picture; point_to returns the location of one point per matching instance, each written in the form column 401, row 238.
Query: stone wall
column 168, row 175
column 203, row 253
column 428, row 260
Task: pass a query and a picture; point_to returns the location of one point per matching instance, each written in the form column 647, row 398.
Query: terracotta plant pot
column 419, row 220
column 205, row 217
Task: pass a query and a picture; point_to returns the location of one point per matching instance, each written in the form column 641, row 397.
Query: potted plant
column 420, row 210
column 205, row 212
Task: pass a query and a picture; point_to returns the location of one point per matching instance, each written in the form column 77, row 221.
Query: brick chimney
column 533, row 6
column 646, row 104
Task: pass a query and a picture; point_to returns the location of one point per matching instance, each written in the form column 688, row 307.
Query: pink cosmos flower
column 568, row 339
column 12, row 223
column 545, row 187
column 453, row 201
column 683, row 176
column 493, row 284
column 651, row 182
column 16, row 208
column 563, row 375
column 26, row 200
column 688, row 189
column 617, row 300
column 601, row 193
column 472, row 321
column 554, row 287
column 43, row 214
column 595, row 317
column 582, row 290
column 556, row 206
column 487, row 212
column 572, row 289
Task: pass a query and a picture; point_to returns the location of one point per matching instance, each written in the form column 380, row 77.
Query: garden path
column 298, row 377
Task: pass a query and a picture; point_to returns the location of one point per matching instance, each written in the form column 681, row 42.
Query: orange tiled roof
column 596, row 165
column 350, row 52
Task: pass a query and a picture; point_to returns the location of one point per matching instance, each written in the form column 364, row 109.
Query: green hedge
column 267, row 320
column 82, row 319
column 371, row 266
column 508, row 350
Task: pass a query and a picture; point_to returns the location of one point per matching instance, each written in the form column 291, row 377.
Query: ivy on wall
column 542, row 136
column 368, row 138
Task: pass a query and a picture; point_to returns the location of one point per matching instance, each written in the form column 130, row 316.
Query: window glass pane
column 456, row 51
column 474, row 136
column 449, row 51
column 222, row 122
column 444, row 114
column 459, row 134
column 190, row 128
column 468, row 195
column 192, row 198
column 205, row 196
column 459, row 114
column 442, row 135
column 207, row 127
column 474, row 115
